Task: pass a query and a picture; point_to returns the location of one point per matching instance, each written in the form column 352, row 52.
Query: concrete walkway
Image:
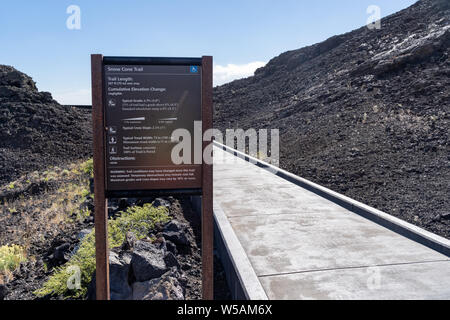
column 302, row 246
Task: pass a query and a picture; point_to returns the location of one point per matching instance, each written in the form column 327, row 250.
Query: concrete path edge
column 386, row 220
column 237, row 260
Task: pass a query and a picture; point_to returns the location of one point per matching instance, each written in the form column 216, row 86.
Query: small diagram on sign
column 111, row 103
column 112, row 140
column 134, row 119
column 113, row 150
column 112, row 130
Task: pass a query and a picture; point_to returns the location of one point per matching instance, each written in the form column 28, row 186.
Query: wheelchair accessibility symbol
column 194, row 69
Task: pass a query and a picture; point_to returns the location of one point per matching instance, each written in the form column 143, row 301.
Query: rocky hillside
column 35, row 131
column 366, row 113
column 47, row 229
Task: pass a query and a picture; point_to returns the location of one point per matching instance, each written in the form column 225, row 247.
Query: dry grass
column 37, row 219
column 10, row 259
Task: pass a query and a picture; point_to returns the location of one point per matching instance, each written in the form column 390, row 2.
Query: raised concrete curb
column 399, row 226
column 241, row 277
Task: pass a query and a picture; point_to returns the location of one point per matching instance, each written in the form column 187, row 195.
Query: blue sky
column 240, row 34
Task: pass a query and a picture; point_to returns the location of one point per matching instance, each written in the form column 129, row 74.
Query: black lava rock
column 383, row 91
column 61, row 253
column 171, row 260
column 147, row 261
column 171, row 247
column 179, row 238
column 35, row 131
column 3, row 292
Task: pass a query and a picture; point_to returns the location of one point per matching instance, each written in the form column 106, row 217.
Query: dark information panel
column 144, row 104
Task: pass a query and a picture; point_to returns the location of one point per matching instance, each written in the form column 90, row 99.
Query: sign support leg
column 207, row 186
column 101, row 203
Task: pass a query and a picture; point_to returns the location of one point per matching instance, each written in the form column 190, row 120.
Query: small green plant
column 139, row 220
column 12, row 210
column 83, row 214
column 88, row 167
column 85, row 193
column 12, row 185
column 11, row 257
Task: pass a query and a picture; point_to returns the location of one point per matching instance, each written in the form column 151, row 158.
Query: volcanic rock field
column 366, row 114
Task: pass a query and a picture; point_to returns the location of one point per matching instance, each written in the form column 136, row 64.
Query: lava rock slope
column 35, row 131
column 365, row 113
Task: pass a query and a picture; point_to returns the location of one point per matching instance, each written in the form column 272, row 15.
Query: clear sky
column 241, row 34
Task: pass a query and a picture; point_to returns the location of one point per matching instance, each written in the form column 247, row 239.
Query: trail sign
column 144, row 105
column 137, row 104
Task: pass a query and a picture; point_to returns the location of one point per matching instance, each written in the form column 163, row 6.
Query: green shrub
column 83, row 214
column 139, row 220
column 85, row 192
column 88, row 167
column 11, row 257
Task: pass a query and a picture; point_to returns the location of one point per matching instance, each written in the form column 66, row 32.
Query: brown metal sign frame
column 101, row 195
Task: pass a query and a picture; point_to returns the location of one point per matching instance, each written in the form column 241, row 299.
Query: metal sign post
column 207, row 185
column 101, row 203
column 137, row 104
